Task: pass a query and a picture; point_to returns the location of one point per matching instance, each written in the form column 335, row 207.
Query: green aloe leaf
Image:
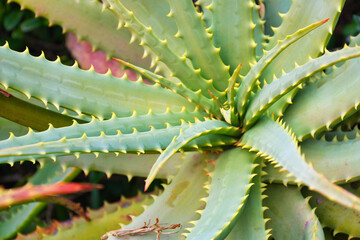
column 231, row 181
column 186, row 135
column 152, row 141
column 325, row 103
column 177, row 65
column 80, row 90
column 7, row 126
column 338, row 161
column 195, row 97
column 199, row 48
column 249, row 81
column 232, row 21
column 274, row 142
column 269, row 94
column 154, row 15
column 334, row 215
column 251, row 223
column 274, row 9
column 315, row 42
column 30, row 115
column 90, row 21
column 124, row 164
column 179, row 201
column 126, row 125
column 283, row 223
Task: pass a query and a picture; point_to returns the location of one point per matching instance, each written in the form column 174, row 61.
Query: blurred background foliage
column 21, row 29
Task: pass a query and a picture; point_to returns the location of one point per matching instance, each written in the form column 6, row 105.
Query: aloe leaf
column 232, row 21
column 259, row 37
column 315, row 42
column 104, row 219
column 30, row 115
column 193, row 131
column 274, row 10
column 306, row 115
column 199, row 48
column 172, row 206
column 195, row 97
column 142, row 123
column 20, row 216
column 269, row 94
column 7, row 126
column 151, row 141
column 251, row 223
column 334, row 215
column 283, row 223
column 249, row 81
column 31, row 193
column 207, row 15
column 337, row 161
column 80, row 90
column 274, row 142
column 91, row 21
column 231, row 181
column 154, row 14
column 297, row 53
column 177, row 65
column 124, row 164
column 325, row 94
column 340, row 135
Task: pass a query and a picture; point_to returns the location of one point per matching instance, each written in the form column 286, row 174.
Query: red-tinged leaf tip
column 5, row 93
column 33, row 193
column 325, row 20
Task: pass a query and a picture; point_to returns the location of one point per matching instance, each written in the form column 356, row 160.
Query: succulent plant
column 246, row 107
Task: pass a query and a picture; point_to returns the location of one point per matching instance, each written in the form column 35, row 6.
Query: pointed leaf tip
column 325, row 20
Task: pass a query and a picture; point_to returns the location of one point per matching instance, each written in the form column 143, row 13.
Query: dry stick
column 142, row 230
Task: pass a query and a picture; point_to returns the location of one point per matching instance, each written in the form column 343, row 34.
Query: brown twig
column 146, row 228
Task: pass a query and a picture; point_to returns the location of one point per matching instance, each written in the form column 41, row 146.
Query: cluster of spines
column 203, row 54
column 178, row 66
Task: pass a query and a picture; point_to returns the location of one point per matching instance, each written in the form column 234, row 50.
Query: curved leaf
column 334, row 215
column 199, row 48
column 177, row 65
column 80, row 90
column 273, row 141
column 91, row 21
column 269, row 94
column 193, row 131
column 324, row 103
column 337, row 161
column 250, row 80
column 124, row 164
column 231, row 181
column 293, row 218
column 232, row 21
column 250, row 224
column 179, row 201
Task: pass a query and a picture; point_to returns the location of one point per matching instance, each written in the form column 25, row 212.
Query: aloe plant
column 245, row 104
